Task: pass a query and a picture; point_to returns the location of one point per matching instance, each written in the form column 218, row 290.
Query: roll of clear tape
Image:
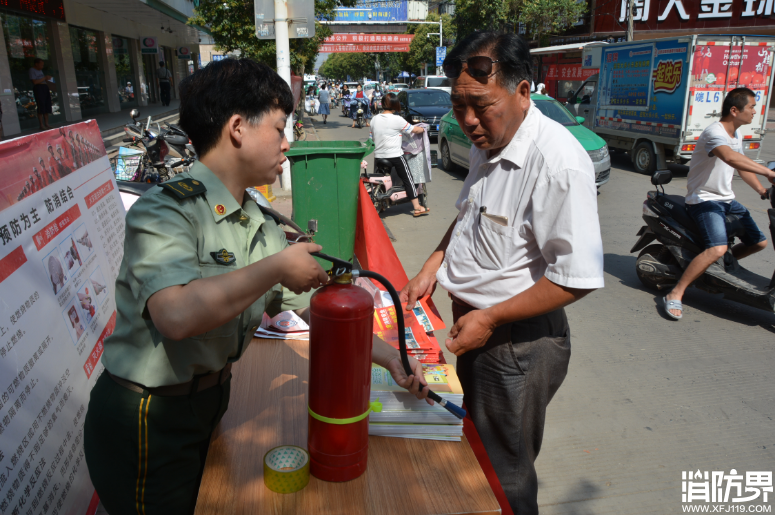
column 286, row 469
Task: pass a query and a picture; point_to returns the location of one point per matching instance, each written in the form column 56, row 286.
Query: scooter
column 359, row 105
column 386, row 189
column 659, row 266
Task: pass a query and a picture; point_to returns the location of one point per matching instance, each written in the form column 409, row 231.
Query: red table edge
column 371, row 234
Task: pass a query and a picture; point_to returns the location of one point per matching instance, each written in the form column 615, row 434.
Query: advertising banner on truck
column 718, row 67
column 61, row 226
column 643, row 87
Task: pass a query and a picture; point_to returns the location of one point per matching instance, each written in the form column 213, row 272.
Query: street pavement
column 645, row 397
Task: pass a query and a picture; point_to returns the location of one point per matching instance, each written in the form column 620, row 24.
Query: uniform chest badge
column 224, row 257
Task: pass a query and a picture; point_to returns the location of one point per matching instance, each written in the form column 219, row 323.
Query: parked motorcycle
column 659, row 266
column 386, row 189
column 166, row 150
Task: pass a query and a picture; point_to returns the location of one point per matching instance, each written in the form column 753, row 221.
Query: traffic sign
column 441, row 54
column 301, row 16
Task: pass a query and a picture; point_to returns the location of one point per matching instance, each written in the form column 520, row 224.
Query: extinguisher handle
column 452, row 408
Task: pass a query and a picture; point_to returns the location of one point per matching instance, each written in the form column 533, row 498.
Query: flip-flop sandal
column 672, row 304
column 416, row 214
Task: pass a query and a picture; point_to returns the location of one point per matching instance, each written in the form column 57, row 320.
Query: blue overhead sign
column 374, row 10
column 441, row 54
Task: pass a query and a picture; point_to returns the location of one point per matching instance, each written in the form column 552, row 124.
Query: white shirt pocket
column 492, row 243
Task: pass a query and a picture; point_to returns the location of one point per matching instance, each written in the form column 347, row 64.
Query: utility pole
column 283, row 46
column 630, row 27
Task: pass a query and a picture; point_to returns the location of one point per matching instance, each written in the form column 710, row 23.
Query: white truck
column 653, row 98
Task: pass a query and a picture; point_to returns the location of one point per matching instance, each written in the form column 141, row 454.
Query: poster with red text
column 62, row 235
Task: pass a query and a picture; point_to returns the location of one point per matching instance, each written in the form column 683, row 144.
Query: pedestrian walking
column 164, row 79
column 387, row 130
column 325, row 103
column 41, row 91
column 526, row 243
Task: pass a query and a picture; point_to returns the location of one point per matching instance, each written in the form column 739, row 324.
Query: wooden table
column 269, row 408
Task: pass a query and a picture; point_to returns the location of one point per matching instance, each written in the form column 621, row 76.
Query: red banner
column 94, row 355
column 382, row 47
column 11, row 263
column 51, row 231
column 97, row 195
column 569, row 72
column 368, row 38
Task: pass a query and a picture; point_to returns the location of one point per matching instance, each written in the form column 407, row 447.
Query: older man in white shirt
column 525, row 244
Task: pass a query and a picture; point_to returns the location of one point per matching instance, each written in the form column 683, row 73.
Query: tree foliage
column 356, row 65
column 423, row 48
column 550, row 17
column 232, row 25
column 541, row 17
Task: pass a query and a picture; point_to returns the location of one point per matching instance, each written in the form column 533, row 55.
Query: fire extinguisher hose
column 452, row 408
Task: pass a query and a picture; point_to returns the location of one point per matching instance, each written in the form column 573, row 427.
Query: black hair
column 510, row 50
column 738, row 98
column 215, row 93
column 37, row 60
column 161, row 63
column 391, row 103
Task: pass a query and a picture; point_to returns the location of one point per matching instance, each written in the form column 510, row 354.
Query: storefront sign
column 649, row 15
column 184, row 53
column 50, row 8
column 374, row 10
column 149, row 45
column 61, row 243
column 382, row 47
column 338, row 39
column 119, row 47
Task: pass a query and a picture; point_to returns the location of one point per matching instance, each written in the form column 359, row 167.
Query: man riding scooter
column 710, row 197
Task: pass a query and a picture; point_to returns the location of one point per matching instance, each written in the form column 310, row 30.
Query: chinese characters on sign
column 368, row 38
column 364, row 48
column 721, row 487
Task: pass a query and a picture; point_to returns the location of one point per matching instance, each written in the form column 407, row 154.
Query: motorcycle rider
column 362, row 98
column 710, row 198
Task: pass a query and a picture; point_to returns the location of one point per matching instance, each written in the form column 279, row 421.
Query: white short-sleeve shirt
column 709, row 177
column 386, row 131
column 529, row 212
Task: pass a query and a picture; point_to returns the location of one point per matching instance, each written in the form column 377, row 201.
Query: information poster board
column 62, row 233
column 628, row 77
column 660, row 72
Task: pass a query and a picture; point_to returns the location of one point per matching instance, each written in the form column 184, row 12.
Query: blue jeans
column 710, row 217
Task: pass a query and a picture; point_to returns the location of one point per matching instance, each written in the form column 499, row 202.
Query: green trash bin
column 325, row 176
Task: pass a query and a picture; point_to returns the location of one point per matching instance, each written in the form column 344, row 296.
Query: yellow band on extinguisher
column 374, row 406
column 286, row 469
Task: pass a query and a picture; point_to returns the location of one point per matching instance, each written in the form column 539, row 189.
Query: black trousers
column 402, row 169
column 508, row 384
column 146, row 453
column 164, row 91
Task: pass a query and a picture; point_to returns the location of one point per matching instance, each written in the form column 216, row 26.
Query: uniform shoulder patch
column 184, row 188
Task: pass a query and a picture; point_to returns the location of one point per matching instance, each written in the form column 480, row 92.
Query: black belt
column 197, row 384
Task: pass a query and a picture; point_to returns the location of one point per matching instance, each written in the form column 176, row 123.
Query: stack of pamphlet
column 285, row 326
column 405, row 416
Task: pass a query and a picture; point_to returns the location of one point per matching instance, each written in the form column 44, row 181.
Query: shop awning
column 563, row 48
column 151, row 13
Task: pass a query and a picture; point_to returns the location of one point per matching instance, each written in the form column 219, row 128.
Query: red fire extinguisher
column 340, row 341
column 339, row 379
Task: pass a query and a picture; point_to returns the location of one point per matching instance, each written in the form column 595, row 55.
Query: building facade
column 103, row 55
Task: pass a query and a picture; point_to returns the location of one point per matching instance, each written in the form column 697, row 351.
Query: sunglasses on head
column 478, row 66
